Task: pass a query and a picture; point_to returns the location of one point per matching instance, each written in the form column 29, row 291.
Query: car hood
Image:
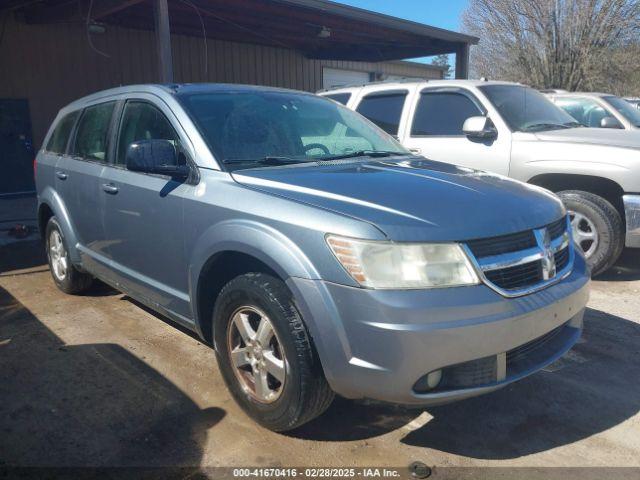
column 413, row 200
column 593, row 136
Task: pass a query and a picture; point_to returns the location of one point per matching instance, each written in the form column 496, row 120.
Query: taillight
column 35, row 167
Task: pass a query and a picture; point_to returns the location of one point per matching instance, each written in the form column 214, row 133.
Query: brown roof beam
column 73, row 11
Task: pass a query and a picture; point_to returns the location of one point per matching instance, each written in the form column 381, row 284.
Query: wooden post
column 462, row 61
column 163, row 41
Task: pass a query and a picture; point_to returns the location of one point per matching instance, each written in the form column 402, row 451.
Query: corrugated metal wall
column 51, row 65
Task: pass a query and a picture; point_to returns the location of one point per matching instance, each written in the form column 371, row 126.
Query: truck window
column 93, row 132
column 442, row 114
column 342, row 98
column 526, row 110
column 384, row 109
column 60, row 136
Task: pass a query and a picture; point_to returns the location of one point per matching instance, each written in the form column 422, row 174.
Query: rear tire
column 66, row 277
column 297, row 391
column 597, row 228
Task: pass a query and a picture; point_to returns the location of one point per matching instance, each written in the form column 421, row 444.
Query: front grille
column 525, row 350
column 513, row 242
column 557, row 228
column 562, row 259
column 488, row 247
column 500, row 257
column 537, row 351
column 517, row 361
column 520, row 276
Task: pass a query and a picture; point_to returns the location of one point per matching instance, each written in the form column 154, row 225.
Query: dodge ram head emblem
column 548, row 257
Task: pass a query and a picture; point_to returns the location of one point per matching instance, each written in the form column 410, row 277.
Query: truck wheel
column 66, row 277
column 265, row 353
column 597, row 228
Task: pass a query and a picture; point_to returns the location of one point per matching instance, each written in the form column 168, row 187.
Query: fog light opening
column 428, row 382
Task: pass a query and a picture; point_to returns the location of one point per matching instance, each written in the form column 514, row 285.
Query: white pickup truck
column 513, row 130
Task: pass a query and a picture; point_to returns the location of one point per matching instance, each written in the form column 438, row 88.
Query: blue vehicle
column 314, row 252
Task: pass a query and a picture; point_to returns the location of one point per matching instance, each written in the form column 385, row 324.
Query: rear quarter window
column 60, row 136
column 342, row 98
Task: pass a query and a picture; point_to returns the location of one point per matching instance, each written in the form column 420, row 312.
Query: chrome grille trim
column 492, row 263
column 513, row 259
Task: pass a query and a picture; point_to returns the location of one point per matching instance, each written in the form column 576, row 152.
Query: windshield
column 272, row 128
column 624, row 108
column 527, row 110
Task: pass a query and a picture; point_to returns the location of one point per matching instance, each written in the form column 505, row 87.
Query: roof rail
column 380, row 82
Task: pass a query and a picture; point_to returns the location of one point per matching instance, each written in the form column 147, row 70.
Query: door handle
column 110, row 188
column 417, row 151
column 61, row 175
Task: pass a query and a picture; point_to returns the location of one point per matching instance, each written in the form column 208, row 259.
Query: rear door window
column 92, row 134
column 442, row 114
column 384, row 109
column 60, row 136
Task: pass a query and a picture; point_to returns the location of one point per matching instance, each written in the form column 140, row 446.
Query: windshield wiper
column 363, row 153
column 573, row 124
column 536, row 127
column 268, row 160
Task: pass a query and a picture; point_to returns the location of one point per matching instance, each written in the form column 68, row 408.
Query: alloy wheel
column 256, row 354
column 58, row 255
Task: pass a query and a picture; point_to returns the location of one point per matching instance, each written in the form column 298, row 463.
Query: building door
column 16, row 148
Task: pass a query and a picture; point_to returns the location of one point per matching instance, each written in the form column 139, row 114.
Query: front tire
column 597, row 228
column 265, row 353
column 66, row 277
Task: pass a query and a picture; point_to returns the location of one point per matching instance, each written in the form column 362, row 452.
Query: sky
column 437, row 13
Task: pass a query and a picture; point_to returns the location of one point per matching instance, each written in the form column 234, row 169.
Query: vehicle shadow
column 162, row 318
column 89, row 405
column 585, row 393
column 23, row 254
column 626, row 269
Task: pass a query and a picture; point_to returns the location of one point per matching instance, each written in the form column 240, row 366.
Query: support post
column 163, row 41
column 462, row 61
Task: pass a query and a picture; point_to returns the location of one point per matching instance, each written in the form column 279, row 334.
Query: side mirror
column 609, row 122
column 479, row 127
column 155, row 156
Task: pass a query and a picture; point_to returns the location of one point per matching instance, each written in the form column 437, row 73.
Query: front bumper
column 632, row 216
column 376, row 344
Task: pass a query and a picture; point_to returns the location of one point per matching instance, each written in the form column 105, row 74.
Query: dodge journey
column 315, row 253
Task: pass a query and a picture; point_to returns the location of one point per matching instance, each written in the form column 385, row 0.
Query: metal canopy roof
column 318, row 28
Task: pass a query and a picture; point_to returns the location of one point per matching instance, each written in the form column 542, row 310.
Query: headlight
column 375, row 264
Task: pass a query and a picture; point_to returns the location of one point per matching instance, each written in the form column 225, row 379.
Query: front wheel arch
column 603, row 187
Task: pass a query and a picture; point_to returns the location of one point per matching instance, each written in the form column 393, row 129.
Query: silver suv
column 314, row 252
column 513, row 130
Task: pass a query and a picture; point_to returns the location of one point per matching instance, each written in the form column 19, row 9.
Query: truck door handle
column 61, row 175
column 110, row 188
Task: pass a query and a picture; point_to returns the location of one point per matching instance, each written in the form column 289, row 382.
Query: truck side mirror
column 479, row 127
column 609, row 122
